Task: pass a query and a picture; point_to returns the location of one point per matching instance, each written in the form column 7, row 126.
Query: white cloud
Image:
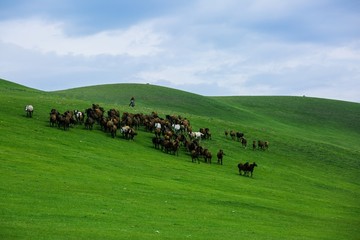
column 44, row 36
column 350, row 52
column 245, row 11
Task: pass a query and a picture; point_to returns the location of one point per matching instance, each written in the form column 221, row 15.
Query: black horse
column 247, row 168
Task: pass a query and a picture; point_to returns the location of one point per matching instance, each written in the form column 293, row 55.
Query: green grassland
column 82, row 184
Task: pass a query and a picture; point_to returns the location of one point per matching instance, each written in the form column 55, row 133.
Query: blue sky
column 208, row 47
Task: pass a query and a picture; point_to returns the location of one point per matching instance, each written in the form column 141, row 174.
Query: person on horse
column 132, row 102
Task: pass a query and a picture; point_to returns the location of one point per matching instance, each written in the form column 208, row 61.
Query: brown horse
column 263, row 145
column 220, row 156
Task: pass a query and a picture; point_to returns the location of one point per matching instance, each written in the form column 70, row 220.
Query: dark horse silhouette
column 246, row 168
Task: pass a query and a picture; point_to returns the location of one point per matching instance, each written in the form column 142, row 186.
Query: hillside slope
column 147, row 96
column 82, row 184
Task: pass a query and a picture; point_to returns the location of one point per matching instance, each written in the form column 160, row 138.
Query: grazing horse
column 254, row 145
column 128, row 132
column 239, row 135
column 29, row 110
column 263, row 145
column 54, row 117
column 64, row 121
column 207, row 156
column 243, row 142
column 113, row 130
column 176, row 127
column 206, row 133
column 251, row 169
column 156, row 141
column 247, row 168
column 196, row 135
column 157, row 125
column 243, row 167
column 232, row 134
column 89, row 122
column 79, row 116
column 195, row 155
column 220, row 156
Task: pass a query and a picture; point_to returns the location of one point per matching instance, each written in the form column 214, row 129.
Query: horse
column 220, row 156
column 113, row 130
column 239, row 135
column 196, row 135
column 79, row 116
column 176, row 127
column 157, row 125
column 251, row 169
column 243, row 142
column 247, row 168
column 243, row 167
column 195, row 155
column 89, row 122
column 254, row 145
column 207, row 156
column 263, row 145
column 29, row 110
column 156, row 141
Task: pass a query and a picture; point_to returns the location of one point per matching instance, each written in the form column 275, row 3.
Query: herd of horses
column 174, row 126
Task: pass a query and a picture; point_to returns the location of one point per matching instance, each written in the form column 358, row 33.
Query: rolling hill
column 82, row 184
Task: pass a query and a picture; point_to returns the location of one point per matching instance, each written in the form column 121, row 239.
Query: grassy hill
column 82, row 184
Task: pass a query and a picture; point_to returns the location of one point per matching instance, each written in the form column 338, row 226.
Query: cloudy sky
column 207, row 47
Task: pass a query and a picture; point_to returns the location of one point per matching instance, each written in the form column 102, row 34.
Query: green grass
column 82, row 184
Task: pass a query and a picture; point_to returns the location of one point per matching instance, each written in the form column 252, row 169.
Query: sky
column 207, row 47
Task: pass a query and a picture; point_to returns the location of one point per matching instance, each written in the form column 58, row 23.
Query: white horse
column 196, row 135
column 29, row 110
column 176, row 127
column 157, row 125
column 79, row 116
